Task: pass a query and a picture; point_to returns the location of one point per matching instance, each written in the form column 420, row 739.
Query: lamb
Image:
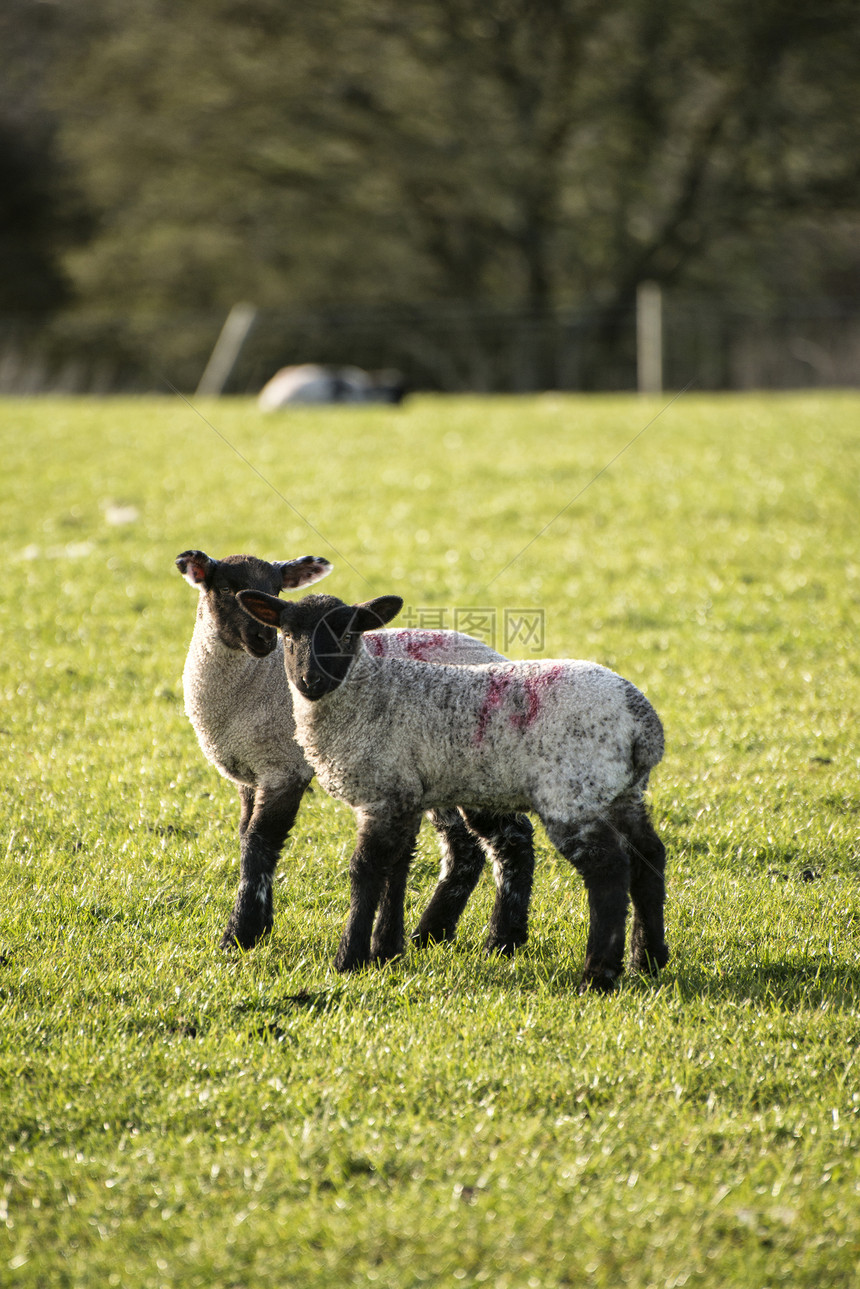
column 313, row 383
column 571, row 741
column 238, row 701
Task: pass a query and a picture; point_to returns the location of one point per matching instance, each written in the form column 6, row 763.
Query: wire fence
column 447, row 347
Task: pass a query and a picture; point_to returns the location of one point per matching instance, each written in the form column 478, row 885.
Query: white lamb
column 571, row 741
column 237, row 699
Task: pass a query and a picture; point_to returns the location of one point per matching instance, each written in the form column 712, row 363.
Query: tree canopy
column 521, row 154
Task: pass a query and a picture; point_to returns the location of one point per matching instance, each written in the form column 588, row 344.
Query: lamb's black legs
column 462, row 864
column 377, row 872
column 598, row 852
column 507, row 839
column 648, row 950
column 266, row 817
column 618, row 855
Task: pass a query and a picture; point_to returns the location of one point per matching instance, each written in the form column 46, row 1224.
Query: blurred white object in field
column 314, row 383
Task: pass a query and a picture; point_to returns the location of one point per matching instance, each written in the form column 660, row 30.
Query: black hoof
column 243, row 937
column 346, row 962
column 423, row 939
column 649, row 964
column 602, row 982
column 503, row 948
column 381, row 960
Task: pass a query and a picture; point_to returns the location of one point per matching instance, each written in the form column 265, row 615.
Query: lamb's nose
column 313, row 684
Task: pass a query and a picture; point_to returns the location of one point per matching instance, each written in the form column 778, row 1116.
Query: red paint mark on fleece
column 500, row 683
column 421, row 646
column 533, row 688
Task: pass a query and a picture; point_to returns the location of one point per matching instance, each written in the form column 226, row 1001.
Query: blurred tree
column 33, row 224
column 529, row 154
column 41, row 213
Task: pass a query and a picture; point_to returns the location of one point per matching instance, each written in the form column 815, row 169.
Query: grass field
column 170, row 1116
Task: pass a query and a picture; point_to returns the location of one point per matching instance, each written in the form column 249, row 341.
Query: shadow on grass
column 809, row 982
column 311, row 1002
column 791, row 985
column 254, row 1020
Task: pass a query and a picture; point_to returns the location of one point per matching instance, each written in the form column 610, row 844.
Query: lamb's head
column 321, row 634
column 219, row 580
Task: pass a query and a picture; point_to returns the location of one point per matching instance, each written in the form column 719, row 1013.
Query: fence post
column 228, row 346
column 649, row 338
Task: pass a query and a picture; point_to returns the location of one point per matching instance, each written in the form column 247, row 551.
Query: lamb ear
column 195, row 567
column 373, row 614
column 267, row 609
column 302, row 572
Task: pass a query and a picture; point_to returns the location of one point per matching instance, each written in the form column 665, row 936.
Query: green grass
column 172, row 1117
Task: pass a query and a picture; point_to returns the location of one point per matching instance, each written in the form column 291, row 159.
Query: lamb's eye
column 348, row 640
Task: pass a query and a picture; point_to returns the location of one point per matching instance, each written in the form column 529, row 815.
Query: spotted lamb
column 237, row 699
column 571, row 741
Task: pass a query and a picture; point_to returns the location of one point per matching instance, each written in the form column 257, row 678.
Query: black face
column 235, row 627
column 321, row 647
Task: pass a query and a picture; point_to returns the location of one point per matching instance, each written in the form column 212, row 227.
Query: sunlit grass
column 170, row 1116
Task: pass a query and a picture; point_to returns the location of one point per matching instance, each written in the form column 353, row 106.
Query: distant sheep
column 571, row 741
column 312, row 383
column 237, row 699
